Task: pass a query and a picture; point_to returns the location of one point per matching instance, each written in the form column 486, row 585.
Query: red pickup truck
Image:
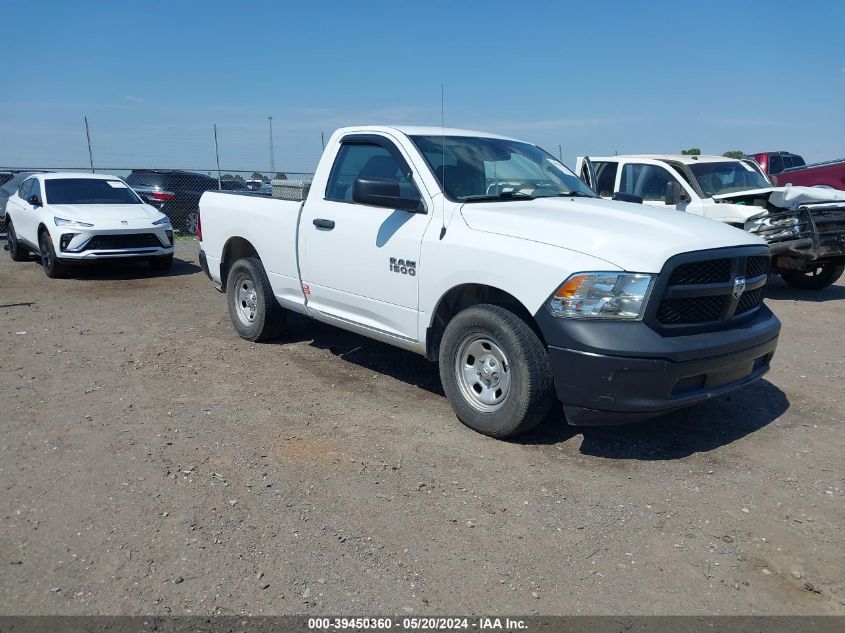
column 785, row 168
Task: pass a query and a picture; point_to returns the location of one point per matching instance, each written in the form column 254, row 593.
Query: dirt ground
column 152, row 462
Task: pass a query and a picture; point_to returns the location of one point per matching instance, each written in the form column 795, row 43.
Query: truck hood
column 633, row 237
column 94, row 212
column 788, row 197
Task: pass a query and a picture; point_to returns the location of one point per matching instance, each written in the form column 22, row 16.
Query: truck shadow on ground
column 696, row 429
column 779, row 290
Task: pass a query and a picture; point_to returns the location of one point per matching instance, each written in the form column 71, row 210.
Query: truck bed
column 269, row 225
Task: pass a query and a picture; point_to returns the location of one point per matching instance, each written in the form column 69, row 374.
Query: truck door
column 360, row 262
column 649, row 181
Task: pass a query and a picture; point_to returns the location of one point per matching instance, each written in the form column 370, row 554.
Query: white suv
column 69, row 218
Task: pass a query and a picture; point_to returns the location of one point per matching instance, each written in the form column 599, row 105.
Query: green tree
column 227, row 177
column 256, row 175
column 734, row 153
column 280, row 175
column 692, row 151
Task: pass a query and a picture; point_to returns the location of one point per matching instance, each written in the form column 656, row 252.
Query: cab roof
column 678, row 158
column 418, row 130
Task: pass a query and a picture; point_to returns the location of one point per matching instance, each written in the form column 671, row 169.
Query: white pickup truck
column 487, row 254
column 804, row 226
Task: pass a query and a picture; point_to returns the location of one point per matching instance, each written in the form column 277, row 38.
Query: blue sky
column 600, row 77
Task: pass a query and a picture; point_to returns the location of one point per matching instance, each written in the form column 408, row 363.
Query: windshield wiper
column 505, row 195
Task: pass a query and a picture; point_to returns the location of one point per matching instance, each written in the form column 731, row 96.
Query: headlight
column 63, row 222
column 601, row 296
column 162, row 221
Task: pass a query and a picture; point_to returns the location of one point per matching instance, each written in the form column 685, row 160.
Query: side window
column 605, row 178
column 775, row 164
column 647, row 181
column 797, row 161
column 26, row 186
column 364, row 160
column 35, row 189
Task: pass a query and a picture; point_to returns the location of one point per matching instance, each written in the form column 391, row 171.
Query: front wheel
column 495, row 371
column 815, row 277
column 52, row 266
column 253, row 308
column 16, row 251
column 191, row 222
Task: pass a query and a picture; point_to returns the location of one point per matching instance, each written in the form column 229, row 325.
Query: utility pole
column 217, row 154
column 272, row 156
column 560, row 153
column 90, row 154
column 323, row 140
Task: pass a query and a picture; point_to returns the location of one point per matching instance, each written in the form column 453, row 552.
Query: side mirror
column 34, row 200
column 673, row 193
column 383, row 192
column 621, row 196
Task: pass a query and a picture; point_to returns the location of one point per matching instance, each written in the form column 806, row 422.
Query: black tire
column 816, row 277
column 247, row 280
column 16, row 251
column 529, row 395
column 161, row 263
column 52, row 265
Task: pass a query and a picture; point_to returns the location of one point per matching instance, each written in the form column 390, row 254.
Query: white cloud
column 134, row 99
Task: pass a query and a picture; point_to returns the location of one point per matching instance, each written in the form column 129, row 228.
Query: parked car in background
column 790, row 169
column 804, row 226
column 11, row 180
column 175, row 193
column 254, row 184
column 233, row 185
column 506, row 268
column 70, row 218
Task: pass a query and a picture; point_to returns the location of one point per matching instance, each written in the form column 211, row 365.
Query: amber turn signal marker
column 568, row 290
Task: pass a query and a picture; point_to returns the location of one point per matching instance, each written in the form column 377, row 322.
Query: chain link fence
column 176, row 192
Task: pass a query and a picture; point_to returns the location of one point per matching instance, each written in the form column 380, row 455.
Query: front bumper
column 89, row 244
column 614, row 373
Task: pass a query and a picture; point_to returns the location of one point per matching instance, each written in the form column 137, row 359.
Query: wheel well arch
column 465, row 296
column 235, row 248
column 41, row 228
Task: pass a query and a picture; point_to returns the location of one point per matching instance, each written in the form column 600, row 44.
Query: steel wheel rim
column 191, row 223
column 483, row 372
column 245, row 301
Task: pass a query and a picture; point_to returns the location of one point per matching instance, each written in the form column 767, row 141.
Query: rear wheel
column 253, row 308
column 815, row 277
column 495, row 371
column 17, row 252
column 161, row 263
column 52, row 266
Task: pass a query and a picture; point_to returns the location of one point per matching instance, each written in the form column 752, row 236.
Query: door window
column 775, row 164
column 26, row 187
column 647, row 181
column 605, row 178
column 365, row 160
column 35, row 190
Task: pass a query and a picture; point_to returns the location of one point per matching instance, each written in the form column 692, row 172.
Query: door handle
column 320, row 223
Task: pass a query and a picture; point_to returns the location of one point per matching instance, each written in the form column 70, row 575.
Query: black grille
column 696, row 290
column 117, row 242
column 757, row 265
column 750, row 300
column 690, row 310
column 711, row 271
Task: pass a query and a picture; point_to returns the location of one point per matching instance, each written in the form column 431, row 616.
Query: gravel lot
column 153, row 462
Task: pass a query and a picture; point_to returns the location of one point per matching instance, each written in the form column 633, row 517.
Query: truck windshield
column 89, row 191
column 474, row 169
column 727, row 177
